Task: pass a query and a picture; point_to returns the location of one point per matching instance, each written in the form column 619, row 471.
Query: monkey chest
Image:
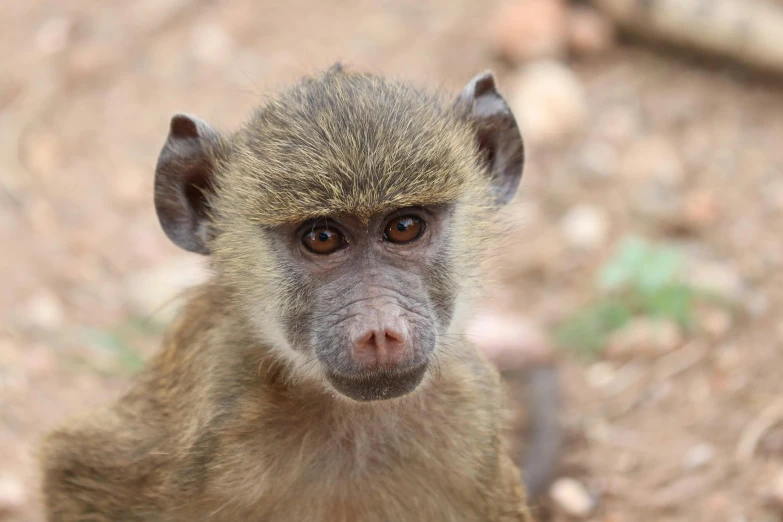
column 369, row 476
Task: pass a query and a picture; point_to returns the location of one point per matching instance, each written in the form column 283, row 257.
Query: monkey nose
column 383, row 347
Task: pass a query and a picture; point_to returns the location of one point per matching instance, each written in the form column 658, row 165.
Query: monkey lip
column 378, row 385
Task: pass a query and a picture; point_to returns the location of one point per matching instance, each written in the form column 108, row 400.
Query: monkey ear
column 184, row 181
column 497, row 134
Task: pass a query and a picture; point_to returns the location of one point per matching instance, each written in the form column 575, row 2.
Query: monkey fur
column 255, row 409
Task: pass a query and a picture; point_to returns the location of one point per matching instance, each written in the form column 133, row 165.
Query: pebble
column 585, row 226
column 523, row 30
column 698, row 456
column 572, row 497
column 549, row 101
column 644, row 337
column 43, row 310
column 589, row 32
column 718, row 278
column 700, row 210
column 600, row 375
column 12, row 495
column 716, row 323
column 510, row 343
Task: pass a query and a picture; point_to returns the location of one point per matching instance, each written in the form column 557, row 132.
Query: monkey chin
column 378, row 385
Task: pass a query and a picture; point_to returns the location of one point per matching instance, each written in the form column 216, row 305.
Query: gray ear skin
column 184, row 177
column 497, row 134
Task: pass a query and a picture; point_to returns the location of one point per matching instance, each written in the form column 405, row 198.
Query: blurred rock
column 43, row 310
column 589, row 31
column 698, row 456
column 585, row 226
column 715, row 322
column 12, row 495
column 644, row 337
column 157, row 291
column 53, row 35
column 511, row 343
column 601, row 374
column 700, row 209
column 522, row 30
column 210, row 43
column 717, row 278
column 572, row 497
column 549, row 101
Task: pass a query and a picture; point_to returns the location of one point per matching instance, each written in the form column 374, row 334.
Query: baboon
column 320, row 375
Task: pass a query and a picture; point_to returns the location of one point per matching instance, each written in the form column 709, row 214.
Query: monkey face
column 376, row 294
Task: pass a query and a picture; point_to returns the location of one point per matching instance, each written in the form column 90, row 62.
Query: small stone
column 12, row 495
column 700, row 209
column 53, row 35
column 698, row 456
column 600, row 375
column 716, row 323
column 528, row 29
column 211, row 43
column 572, row 497
column 644, row 337
column 511, row 343
column 589, row 32
column 716, row 278
column 585, row 226
column 549, row 101
column 44, row 310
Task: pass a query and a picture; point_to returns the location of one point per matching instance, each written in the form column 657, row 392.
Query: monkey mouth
column 378, row 385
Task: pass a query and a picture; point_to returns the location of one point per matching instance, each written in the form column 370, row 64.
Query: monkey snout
column 381, row 346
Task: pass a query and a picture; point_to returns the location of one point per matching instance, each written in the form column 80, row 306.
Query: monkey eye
column 323, row 240
column 403, row 229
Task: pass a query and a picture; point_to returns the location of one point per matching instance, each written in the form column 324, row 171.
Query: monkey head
column 346, row 219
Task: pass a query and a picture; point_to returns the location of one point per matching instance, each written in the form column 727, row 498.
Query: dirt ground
column 86, row 91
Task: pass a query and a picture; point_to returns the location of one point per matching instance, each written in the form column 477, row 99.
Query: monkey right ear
column 497, row 135
column 185, row 180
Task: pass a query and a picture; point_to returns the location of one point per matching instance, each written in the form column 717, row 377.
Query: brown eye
column 322, row 240
column 403, row 229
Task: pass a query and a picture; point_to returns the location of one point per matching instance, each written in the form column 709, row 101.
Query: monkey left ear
column 185, row 180
column 497, row 134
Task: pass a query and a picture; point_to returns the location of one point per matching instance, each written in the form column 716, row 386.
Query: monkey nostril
column 381, row 348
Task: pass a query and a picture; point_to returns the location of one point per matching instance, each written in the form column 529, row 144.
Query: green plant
column 640, row 279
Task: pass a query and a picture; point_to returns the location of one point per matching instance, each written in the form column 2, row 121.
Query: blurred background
column 645, row 262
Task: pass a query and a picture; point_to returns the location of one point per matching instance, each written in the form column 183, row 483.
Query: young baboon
column 320, row 375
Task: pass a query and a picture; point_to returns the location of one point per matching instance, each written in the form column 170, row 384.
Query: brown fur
column 220, row 427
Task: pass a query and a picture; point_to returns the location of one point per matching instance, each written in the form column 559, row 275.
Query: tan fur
column 220, row 426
